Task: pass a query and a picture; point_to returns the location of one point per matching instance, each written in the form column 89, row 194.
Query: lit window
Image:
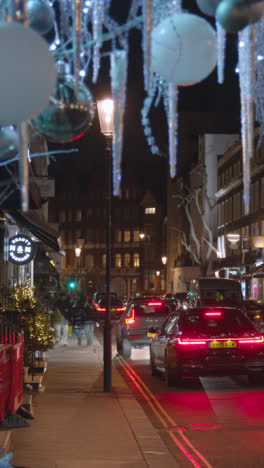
column 151, row 210
column 89, row 261
column 118, row 235
column 126, row 236
column 118, row 260
column 62, row 216
column 136, row 260
column 104, row 260
column 78, row 215
column 127, row 260
column 136, row 237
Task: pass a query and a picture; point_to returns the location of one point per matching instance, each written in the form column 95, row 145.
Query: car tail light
column 190, row 342
column 120, row 309
column 154, row 304
column 101, row 309
column 257, row 339
column 131, row 319
column 213, row 314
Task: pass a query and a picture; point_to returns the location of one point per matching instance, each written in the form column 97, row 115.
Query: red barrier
column 5, row 379
column 16, row 372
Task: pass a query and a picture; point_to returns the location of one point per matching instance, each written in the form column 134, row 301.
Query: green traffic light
column 72, row 284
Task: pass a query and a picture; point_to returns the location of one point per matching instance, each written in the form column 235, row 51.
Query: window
column 89, row 261
column 118, row 263
column 78, row 216
column 89, row 235
column 118, row 235
column 136, row 260
column 69, row 215
column 89, row 212
column 126, row 235
column 62, row 216
column 127, row 260
column 151, row 210
column 136, row 235
column 104, row 260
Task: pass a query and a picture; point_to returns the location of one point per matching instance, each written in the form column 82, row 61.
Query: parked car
column 206, row 341
column 117, row 308
column 255, row 312
column 133, row 329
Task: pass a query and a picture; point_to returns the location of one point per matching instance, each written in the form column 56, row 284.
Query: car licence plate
column 113, row 310
column 151, row 335
column 222, row 344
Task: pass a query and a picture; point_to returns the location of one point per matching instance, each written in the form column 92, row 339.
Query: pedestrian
column 61, row 319
column 90, row 316
column 78, row 317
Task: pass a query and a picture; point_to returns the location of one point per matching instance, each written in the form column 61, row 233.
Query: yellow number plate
column 151, row 334
column 223, row 344
column 112, row 310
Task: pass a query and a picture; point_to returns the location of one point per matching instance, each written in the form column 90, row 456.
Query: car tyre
column 172, row 375
column 126, row 349
column 153, row 370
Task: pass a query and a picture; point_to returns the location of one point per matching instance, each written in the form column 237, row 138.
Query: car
column 255, row 312
column 100, row 295
column 206, row 341
column 132, row 329
column 117, row 308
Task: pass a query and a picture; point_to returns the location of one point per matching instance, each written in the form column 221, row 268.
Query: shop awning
column 37, row 228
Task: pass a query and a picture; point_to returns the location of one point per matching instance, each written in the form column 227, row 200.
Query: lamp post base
column 107, row 357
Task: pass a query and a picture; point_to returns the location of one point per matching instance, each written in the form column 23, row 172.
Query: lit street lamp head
column 106, row 116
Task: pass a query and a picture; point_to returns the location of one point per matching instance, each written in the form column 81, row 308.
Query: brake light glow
column 154, row 304
column 258, row 339
column 120, row 309
column 131, row 319
column 101, row 309
column 213, row 314
column 190, row 342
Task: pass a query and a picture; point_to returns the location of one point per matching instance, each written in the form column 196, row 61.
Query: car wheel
column 172, row 375
column 153, row 370
column 126, row 349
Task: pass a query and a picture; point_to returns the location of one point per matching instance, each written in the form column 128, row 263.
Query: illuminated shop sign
column 21, row 249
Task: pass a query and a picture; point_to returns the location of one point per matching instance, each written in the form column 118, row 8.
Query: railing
column 10, row 333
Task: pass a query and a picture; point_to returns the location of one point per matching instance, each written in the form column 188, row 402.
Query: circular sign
column 21, row 249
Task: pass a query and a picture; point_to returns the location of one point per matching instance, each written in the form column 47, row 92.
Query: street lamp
column 106, row 114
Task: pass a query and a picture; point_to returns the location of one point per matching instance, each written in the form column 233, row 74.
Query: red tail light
column 101, row 309
column 258, row 339
column 154, row 304
column 190, row 342
column 120, row 309
column 213, row 314
column 131, row 319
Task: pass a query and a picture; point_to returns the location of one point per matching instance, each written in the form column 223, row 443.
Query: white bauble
column 184, row 49
column 28, row 75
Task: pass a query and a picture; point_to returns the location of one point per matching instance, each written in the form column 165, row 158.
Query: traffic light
column 72, row 284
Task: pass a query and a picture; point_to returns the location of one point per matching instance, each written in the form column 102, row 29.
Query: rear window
column 113, row 300
column 195, row 322
column 213, row 297
column 150, row 310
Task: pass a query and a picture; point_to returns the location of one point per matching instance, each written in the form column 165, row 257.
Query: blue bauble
column 67, row 117
column 208, row 7
column 41, row 15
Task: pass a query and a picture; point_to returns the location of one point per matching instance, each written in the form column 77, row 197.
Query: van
column 213, row 292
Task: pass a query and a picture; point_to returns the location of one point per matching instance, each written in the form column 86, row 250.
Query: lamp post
column 164, row 263
column 105, row 112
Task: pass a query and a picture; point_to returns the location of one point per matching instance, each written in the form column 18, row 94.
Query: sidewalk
column 77, row 425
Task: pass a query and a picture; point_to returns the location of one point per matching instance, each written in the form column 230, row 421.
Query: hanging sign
column 21, row 249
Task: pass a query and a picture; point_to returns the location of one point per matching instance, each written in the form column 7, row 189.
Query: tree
column 199, row 209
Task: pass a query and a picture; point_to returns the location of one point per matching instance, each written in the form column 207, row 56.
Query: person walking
column 61, row 319
column 77, row 317
column 90, row 316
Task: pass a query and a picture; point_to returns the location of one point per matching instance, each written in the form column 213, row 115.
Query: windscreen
column 221, row 296
column 152, row 309
column 226, row 323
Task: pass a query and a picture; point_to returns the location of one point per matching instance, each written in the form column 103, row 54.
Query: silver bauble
column 66, row 118
column 41, row 15
column 208, row 7
column 235, row 15
column 9, row 143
